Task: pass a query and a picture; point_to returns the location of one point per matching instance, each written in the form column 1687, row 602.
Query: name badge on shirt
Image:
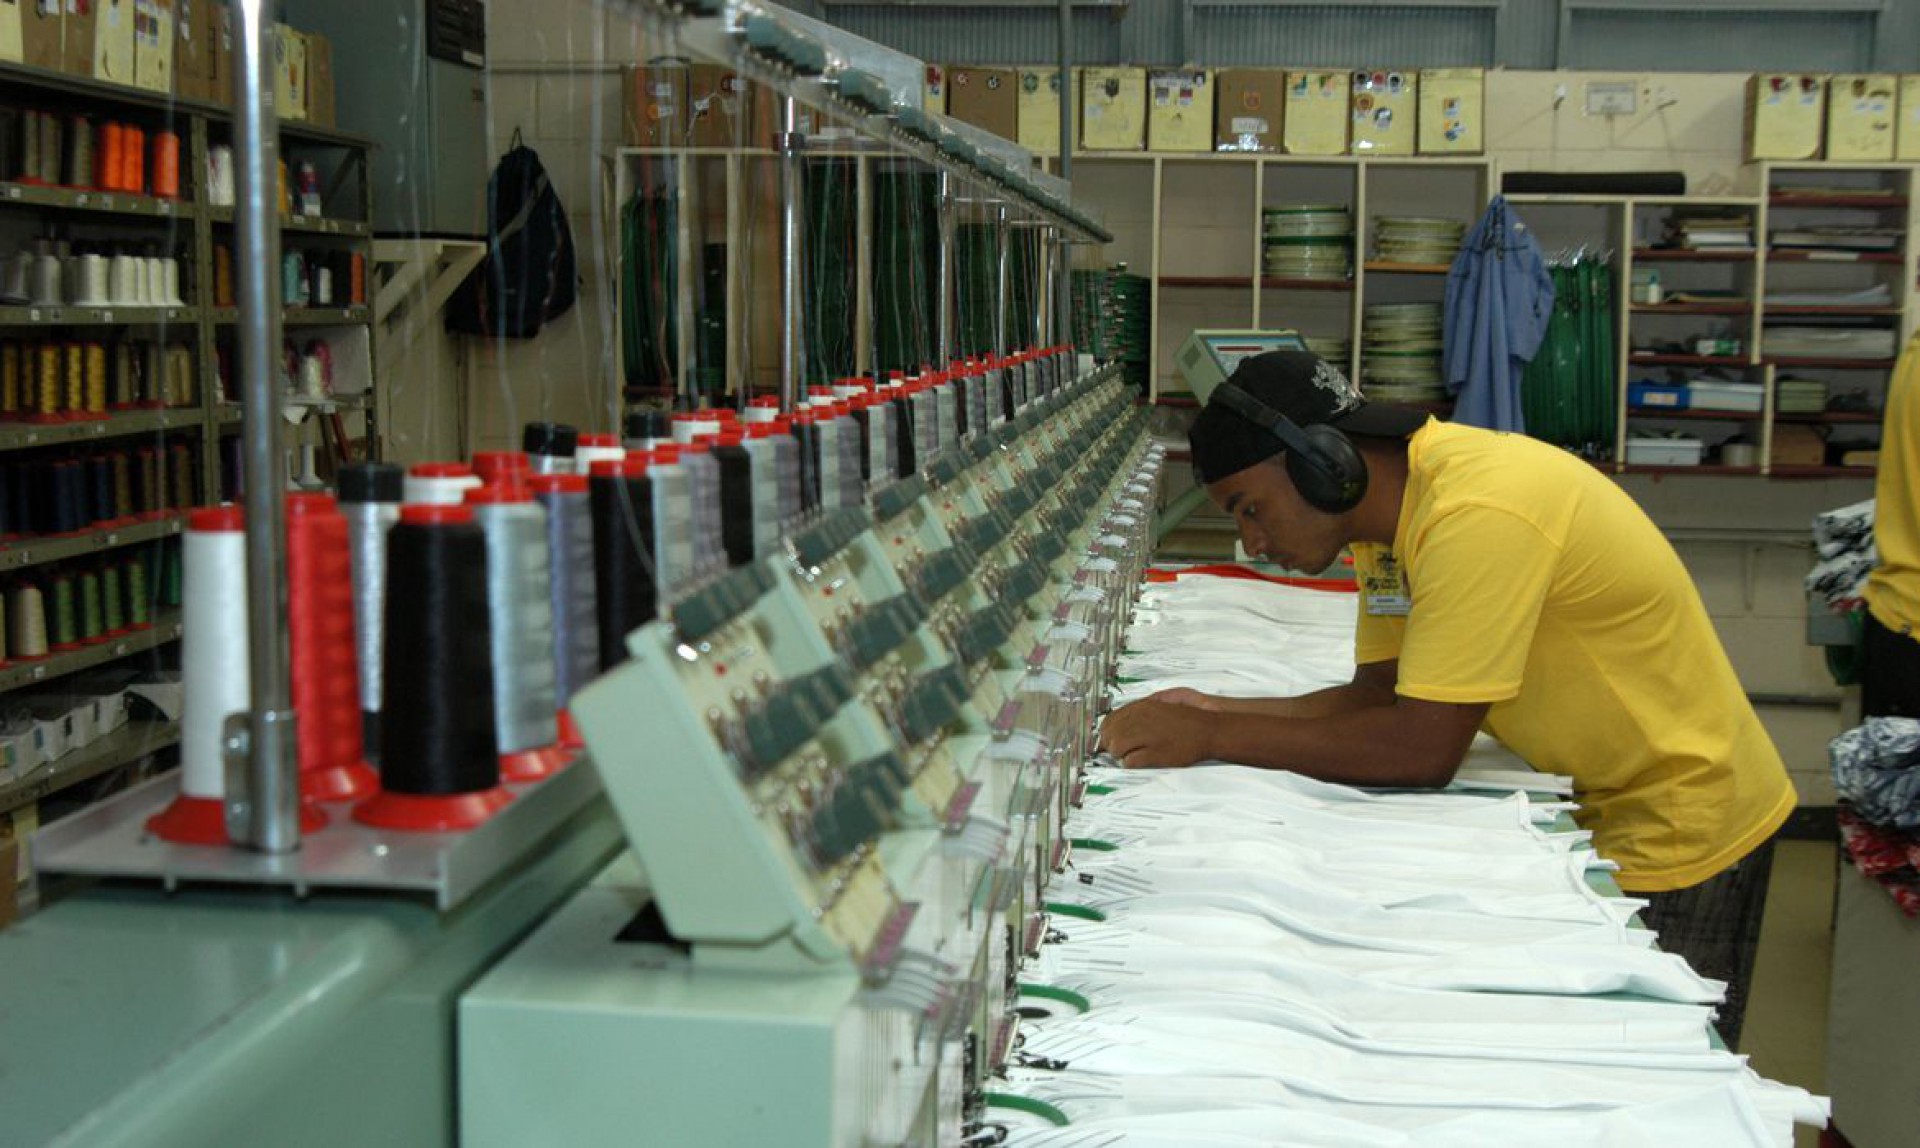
column 1386, row 589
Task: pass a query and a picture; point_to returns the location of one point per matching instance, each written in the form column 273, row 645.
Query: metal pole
column 1066, row 89
column 1044, row 287
column 264, row 813
column 1003, row 282
column 944, row 350
column 788, row 144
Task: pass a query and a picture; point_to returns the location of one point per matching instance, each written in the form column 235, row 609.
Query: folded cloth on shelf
column 1876, row 769
column 1844, row 529
column 1889, row 856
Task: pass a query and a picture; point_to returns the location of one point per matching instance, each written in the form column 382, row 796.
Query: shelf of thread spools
column 78, row 614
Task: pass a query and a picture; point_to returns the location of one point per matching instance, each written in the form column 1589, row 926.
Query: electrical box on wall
column 1316, row 116
column 1786, row 114
column 419, row 91
column 1860, row 114
column 1385, row 105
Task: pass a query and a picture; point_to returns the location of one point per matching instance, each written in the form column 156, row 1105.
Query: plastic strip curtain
column 906, row 250
column 1569, row 391
column 830, row 265
column 649, row 272
column 976, row 256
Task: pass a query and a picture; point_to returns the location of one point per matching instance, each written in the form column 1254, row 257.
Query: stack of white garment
column 1266, row 959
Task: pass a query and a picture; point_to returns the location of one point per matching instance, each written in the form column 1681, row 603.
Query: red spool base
column 534, row 764
column 412, row 813
column 339, row 783
column 570, row 735
column 203, row 821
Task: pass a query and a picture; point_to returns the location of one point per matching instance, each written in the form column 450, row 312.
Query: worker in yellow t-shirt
column 1890, row 645
column 1505, row 585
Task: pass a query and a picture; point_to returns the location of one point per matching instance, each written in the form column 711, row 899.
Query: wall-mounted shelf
column 21, row 436
column 165, row 628
column 25, row 553
column 84, row 199
column 135, row 740
column 1687, row 255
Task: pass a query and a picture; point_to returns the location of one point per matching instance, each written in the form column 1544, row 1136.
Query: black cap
column 1306, row 389
column 554, row 439
column 649, row 424
column 371, row 482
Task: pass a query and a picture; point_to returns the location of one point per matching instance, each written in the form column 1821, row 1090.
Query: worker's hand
column 1182, row 696
column 1153, row 732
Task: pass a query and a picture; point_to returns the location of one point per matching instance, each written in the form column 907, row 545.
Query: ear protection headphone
column 1325, row 466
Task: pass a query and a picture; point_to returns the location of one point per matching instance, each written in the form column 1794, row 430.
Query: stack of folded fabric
column 1245, row 957
column 1844, row 540
column 1876, row 771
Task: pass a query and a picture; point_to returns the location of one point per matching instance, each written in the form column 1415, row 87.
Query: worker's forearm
column 1364, row 745
column 1320, row 703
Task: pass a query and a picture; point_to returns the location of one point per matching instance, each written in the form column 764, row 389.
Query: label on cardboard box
column 113, row 43
column 1039, row 109
column 289, row 73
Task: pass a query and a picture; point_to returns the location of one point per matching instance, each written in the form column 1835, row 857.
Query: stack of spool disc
column 1400, row 353
column 1335, row 349
column 1416, row 239
column 1307, row 241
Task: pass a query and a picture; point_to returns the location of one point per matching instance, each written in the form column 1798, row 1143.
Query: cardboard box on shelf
column 1860, row 115
column 653, row 104
column 1452, row 111
column 113, row 24
column 725, row 109
column 987, row 98
column 1906, row 137
column 220, row 47
column 1386, row 106
column 935, row 96
column 1039, row 114
column 289, row 72
column 1317, row 113
column 13, row 48
column 1180, row 110
column 78, row 29
column 319, row 80
column 1786, row 115
column 1113, row 109
column 190, row 56
column 40, row 33
column 1795, row 445
column 153, row 45
column 1247, row 104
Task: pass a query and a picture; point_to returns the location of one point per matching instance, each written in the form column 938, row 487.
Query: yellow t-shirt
column 1533, row 583
column 1893, row 589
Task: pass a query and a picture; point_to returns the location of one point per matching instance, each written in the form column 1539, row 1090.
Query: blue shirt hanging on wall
column 1499, row 299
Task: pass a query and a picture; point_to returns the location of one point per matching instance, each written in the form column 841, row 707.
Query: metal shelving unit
column 129, row 743
column 165, row 628
column 31, row 552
